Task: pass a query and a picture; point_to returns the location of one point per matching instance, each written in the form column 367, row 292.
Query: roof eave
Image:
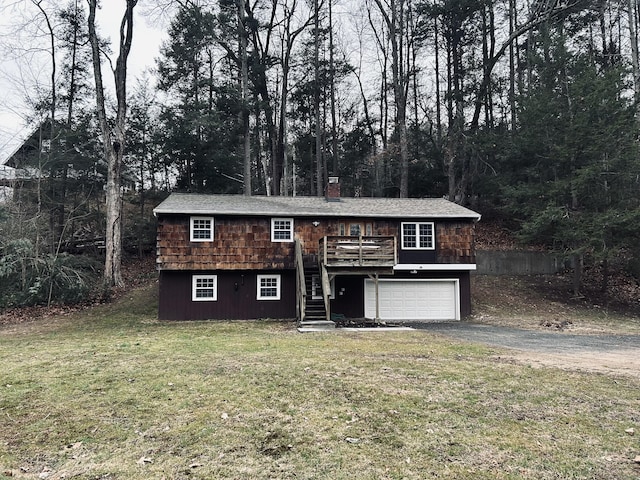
column 171, row 211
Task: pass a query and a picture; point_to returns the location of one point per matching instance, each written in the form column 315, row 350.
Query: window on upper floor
column 368, row 229
column 268, row 287
column 201, row 229
column 357, row 229
column 282, row 229
column 418, row 236
column 204, row 288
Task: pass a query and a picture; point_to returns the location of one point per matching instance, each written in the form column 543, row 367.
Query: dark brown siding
column 349, row 299
column 236, row 297
column 416, row 256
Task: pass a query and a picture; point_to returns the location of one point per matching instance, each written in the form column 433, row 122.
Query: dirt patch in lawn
column 622, row 362
column 545, row 302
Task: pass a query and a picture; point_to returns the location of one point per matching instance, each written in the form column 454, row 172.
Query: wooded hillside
column 524, row 111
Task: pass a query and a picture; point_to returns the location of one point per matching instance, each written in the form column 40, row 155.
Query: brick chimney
column 333, row 190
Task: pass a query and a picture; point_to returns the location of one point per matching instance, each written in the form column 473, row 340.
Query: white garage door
column 413, row 299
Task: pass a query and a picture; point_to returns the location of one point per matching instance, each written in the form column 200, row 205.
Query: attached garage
column 419, row 299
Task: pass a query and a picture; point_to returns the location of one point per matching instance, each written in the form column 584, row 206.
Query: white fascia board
column 435, row 266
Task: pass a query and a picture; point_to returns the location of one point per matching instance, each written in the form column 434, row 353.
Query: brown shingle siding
column 244, row 243
column 455, row 242
column 237, row 244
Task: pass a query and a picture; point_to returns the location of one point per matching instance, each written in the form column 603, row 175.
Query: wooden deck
column 358, row 252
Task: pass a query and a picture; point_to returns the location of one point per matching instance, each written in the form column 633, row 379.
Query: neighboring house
column 7, row 180
column 310, row 258
column 15, row 169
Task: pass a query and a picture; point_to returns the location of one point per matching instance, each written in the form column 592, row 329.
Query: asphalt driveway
column 556, row 342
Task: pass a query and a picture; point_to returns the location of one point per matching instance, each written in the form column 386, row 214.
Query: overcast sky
column 31, row 66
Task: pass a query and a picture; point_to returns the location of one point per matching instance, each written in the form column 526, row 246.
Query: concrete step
column 322, row 324
column 316, row 326
column 315, row 318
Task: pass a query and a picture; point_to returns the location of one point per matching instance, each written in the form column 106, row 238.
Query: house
column 314, row 258
column 7, row 180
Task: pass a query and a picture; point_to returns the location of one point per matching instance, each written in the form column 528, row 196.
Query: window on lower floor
column 268, row 287
column 204, row 288
column 418, row 236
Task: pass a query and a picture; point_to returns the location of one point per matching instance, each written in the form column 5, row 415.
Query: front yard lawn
column 112, row 393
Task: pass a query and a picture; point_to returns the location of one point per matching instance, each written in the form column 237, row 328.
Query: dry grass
column 546, row 302
column 114, row 394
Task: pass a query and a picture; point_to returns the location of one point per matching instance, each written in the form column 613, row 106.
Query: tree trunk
column 282, row 147
column 437, row 81
column 332, row 86
column 578, row 263
column 56, row 204
column 113, row 140
column 395, row 22
column 512, row 66
column 633, row 37
column 244, row 87
column 316, row 101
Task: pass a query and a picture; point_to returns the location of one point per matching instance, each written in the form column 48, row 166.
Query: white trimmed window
column 418, row 236
column 201, row 229
column 204, row 288
column 282, row 229
column 268, row 287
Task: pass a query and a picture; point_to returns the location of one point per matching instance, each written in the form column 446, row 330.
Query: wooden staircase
column 315, row 309
column 338, row 255
column 315, row 313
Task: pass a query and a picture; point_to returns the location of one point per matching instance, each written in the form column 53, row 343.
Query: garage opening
column 419, row 299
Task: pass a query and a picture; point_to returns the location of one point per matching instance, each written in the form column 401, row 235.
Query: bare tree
column 316, row 99
column 633, row 38
column 289, row 34
column 113, row 139
column 244, row 88
column 395, row 15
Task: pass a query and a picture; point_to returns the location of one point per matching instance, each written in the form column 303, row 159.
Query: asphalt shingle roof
column 200, row 204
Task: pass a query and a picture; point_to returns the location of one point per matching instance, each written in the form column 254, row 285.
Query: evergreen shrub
column 28, row 278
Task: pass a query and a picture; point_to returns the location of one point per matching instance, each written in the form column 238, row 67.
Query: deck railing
column 362, row 251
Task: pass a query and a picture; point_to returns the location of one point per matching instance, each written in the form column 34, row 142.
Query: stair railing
column 326, row 290
column 301, row 287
